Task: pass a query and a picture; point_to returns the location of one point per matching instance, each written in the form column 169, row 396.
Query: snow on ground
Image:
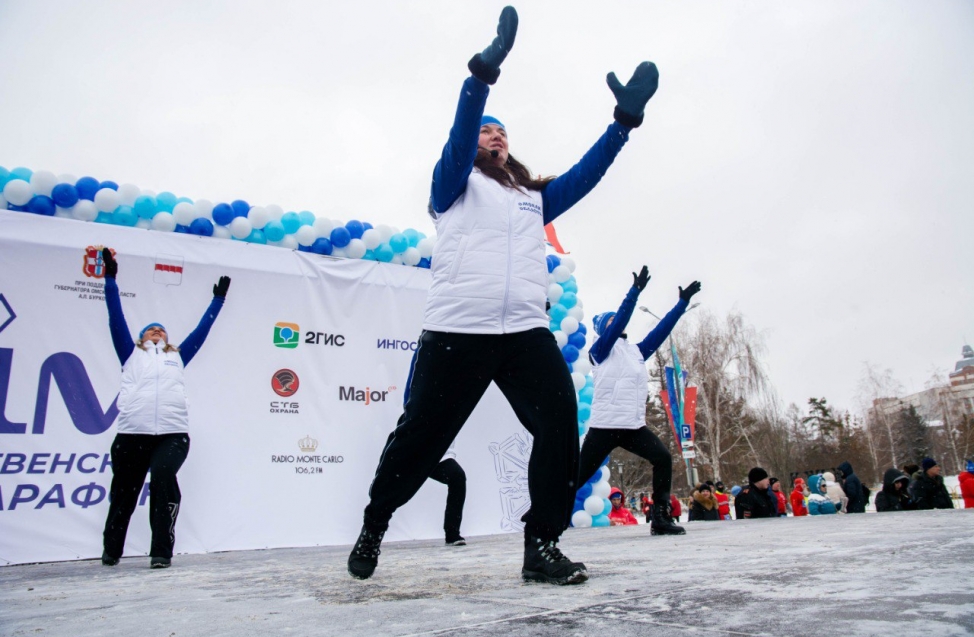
column 882, row 574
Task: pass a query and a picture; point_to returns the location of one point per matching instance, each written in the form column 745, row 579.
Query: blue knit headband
column 146, row 329
column 488, row 119
column 601, row 321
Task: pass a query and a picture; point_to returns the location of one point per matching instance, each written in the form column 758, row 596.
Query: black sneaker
column 662, row 523
column 160, row 562
column 365, row 554
column 543, row 562
column 108, row 560
column 457, row 541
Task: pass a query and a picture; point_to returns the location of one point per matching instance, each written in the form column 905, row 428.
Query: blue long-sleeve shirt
column 604, row 343
column 456, row 162
column 122, row 338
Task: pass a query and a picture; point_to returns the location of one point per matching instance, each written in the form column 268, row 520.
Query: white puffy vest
column 620, row 389
column 489, row 270
column 152, row 399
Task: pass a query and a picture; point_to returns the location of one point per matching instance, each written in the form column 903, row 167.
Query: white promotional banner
column 291, row 397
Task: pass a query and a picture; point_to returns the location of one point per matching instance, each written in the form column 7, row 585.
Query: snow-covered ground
column 881, row 574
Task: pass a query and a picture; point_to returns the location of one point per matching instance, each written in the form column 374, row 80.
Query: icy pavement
column 875, row 574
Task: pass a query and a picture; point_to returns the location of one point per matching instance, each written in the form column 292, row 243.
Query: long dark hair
column 513, row 174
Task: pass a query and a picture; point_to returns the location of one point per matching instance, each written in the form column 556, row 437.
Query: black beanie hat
column 757, row 474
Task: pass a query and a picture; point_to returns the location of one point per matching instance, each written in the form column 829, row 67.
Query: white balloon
column 425, row 247
column 606, row 474
column 163, row 222
column 411, row 256
column 323, row 227
column 577, row 313
column 569, row 263
column 67, row 178
column 289, row 242
column 385, row 232
column 372, row 238
column 3, row 205
column 569, row 325
column 221, row 232
column 601, row 489
column 145, row 224
column 184, row 213
column 355, row 249
column 578, row 380
column 17, row 192
column 106, row 200
column 258, row 217
column 306, row 235
column 561, row 338
column 84, row 210
column 578, row 302
column 554, row 293
column 339, row 253
column 127, row 194
column 397, row 259
column 204, row 209
column 42, row 182
column 594, row 504
column 582, row 365
column 240, row 227
column 275, row 212
column 581, row 519
column 561, row 274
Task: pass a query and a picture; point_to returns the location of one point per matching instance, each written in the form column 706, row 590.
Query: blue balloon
column 222, row 213
column 87, row 187
column 601, row 520
column 125, row 216
column 306, row 217
column 570, row 286
column 586, row 394
column 291, row 222
column 582, row 329
column 22, row 173
column 576, row 339
column 165, row 202
column 65, row 195
column 4, row 177
column 10, row 206
column 104, row 217
column 201, row 227
column 256, row 236
column 571, row 367
column 240, row 208
column 274, row 231
column 584, row 491
column 145, row 206
column 108, row 184
column 584, row 412
column 582, row 429
column 568, row 299
column 554, row 326
column 181, row 229
column 302, row 248
column 340, row 237
column 368, row 256
column 412, row 237
column 367, row 225
column 570, row 352
column 595, row 477
column 424, row 263
column 41, row 205
column 384, row 253
column 557, row 313
column 606, row 506
column 606, row 461
column 579, row 505
column 321, row 246
column 355, row 228
column 398, row 243
column 553, row 262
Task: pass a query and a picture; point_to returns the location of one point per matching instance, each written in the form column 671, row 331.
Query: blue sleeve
column 659, row 334
column 456, row 162
column 605, row 342
column 193, row 342
column 121, row 338
column 567, row 190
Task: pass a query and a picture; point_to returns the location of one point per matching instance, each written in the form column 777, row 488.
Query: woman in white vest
column 153, row 422
column 619, row 404
column 485, row 315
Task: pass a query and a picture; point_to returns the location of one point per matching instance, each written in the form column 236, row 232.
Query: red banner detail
column 552, row 238
column 669, row 415
column 690, row 409
column 169, row 268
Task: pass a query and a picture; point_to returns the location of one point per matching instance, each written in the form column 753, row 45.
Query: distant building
column 958, row 396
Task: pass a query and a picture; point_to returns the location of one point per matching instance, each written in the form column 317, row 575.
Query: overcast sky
column 812, row 163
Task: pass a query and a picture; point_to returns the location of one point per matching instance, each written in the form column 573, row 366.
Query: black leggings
column 133, row 455
column 450, row 473
column 450, row 374
column 644, row 443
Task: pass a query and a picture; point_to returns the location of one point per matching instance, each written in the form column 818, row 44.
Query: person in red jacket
column 647, row 506
column 723, row 501
column 677, row 509
column 798, row 507
column 620, row 515
column 966, row 479
column 782, row 501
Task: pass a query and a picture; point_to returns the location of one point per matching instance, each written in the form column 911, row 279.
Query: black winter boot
column 662, row 523
column 543, row 562
column 365, row 554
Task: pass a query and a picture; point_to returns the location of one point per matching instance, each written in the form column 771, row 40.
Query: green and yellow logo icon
column 287, row 335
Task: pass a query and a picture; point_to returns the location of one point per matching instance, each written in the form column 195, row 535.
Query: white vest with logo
column 489, row 270
column 621, row 389
column 152, row 399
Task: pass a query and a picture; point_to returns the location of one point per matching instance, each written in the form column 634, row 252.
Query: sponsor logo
column 392, row 343
column 529, row 206
column 8, row 314
column 323, row 338
column 285, row 383
column 366, row 396
column 284, row 407
column 287, row 335
column 307, row 462
column 93, row 265
column 308, row 444
column 168, row 270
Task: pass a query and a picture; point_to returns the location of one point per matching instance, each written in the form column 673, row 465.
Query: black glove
column 486, row 65
column 687, row 294
column 111, row 265
column 631, row 99
column 640, row 280
column 220, row 289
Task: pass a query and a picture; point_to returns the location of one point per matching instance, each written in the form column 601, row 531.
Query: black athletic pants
column 133, row 455
column 450, row 473
column 450, row 374
column 644, row 443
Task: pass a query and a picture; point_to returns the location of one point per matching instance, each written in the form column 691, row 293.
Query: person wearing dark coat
column 704, row 506
column 853, row 489
column 894, row 496
column 928, row 488
column 754, row 500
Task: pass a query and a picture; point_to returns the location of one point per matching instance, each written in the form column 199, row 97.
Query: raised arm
column 193, row 342
column 611, row 333
column 662, row 330
column 121, row 338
